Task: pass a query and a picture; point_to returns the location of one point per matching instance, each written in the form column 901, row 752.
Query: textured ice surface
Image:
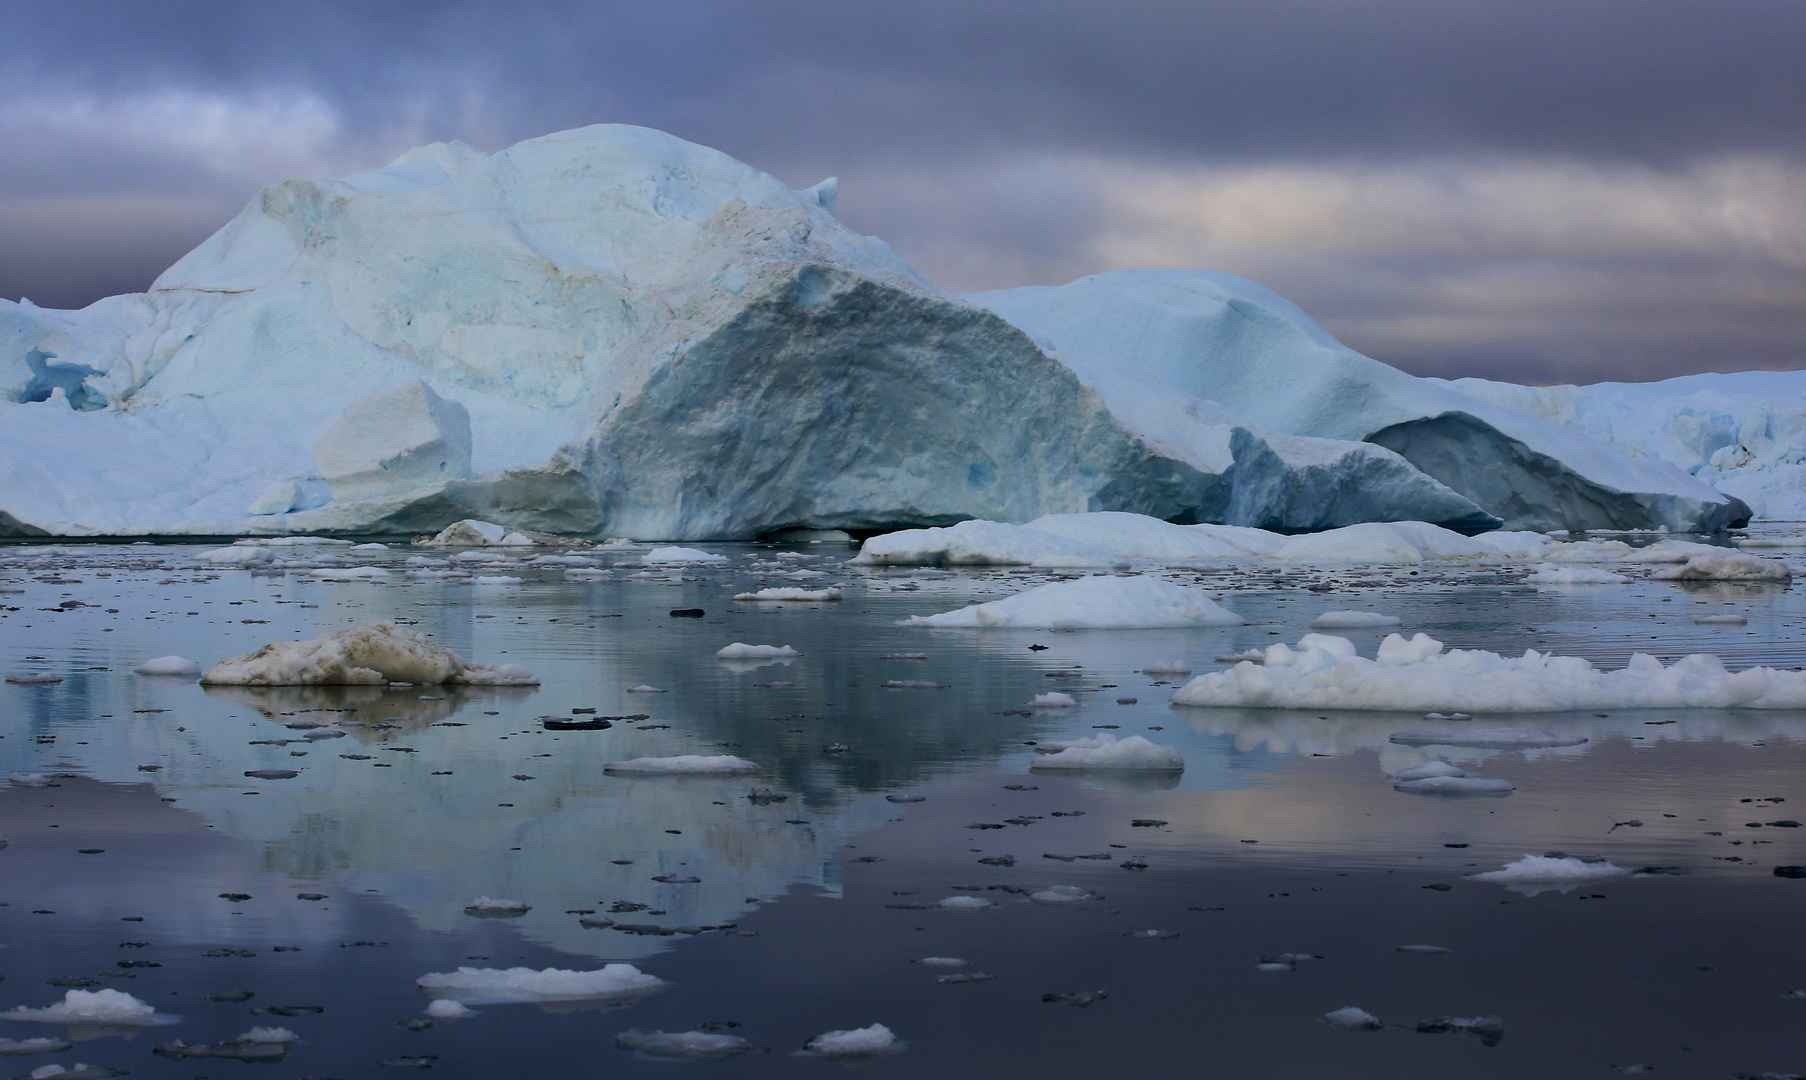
column 478, row 986
column 684, row 765
column 1093, row 603
column 1324, row 672
column 372, row 653
column 1106, row 751
column 107, row 1007
column 1224, row 339
column 854, row 1043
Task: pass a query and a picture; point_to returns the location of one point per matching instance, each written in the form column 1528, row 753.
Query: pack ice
column 613, row 332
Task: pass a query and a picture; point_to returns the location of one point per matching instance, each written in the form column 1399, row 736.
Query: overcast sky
column 1536, row 190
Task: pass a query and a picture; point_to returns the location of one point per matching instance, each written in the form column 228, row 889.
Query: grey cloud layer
column 1003, row 142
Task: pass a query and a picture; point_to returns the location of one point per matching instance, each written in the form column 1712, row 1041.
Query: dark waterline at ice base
column 1111, row 923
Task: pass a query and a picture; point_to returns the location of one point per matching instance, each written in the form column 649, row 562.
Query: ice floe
column 1352, row 1019
column 808, row 595
column 682, row 1045
column 1552, row 872
column 168, row 665
column 1105, row 751
column 1092, row 603
column 741, row 651
column 100, row 1008
column 1550, row 574
column 855, row 1043
column 1324, row 672
column 1350, row 620
column 479, row 986
column 1726, row 566
column 372, row 653
column 684, row 765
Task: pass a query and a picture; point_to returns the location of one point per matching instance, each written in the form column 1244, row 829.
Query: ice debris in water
column 168, row 665
column 30, row 780
column 1324, row 672
column 812, row 595
column 1726, row 566
column 1552, row 871
column 1721, row 620
column 1488, row 1029
column 34, row 678
column 741, row 651
column 1054, row 700
column 1487, row 739
column 1350, row 620
column 1427, row 770
column 1092, row 603
column 941, row 962
column 683, row 764
column 679, row 556
column 1550, row 574
column 501, row 985
column 78, row 1071
column 1422, row 950
column 485, row 907
column 1061, row 894
column 370, row 654
column 963, row 903
column 645, row 689
column 1106, row 751
column 1352, row 1019
column 1455, row 785
column 855, row 1043
column 113, row 1008
column 1166, row 667
column 447, row 1009
column 682, row 1045
column 22, row 1047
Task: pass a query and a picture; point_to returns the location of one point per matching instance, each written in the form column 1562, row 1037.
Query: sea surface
column 1229, row 907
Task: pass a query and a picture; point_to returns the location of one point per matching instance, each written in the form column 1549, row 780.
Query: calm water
column 1282, row 835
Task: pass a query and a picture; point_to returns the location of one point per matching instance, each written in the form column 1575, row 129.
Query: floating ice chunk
column 856, row 1043
column 502, row 580
column 809, row 595
column 1166, row 667
column 30, row 780
column 109, row 1008
column 473, row 533
column 447, row 1009
column 1727, row 566
column 1550, row 574
column 78, row 1071
column 1450, row 717
column 962, row 903
column 292, row 541
column 679, row 556
column 370, row 654
column 1422, row 950
column 22, row 1047
column 1487, row 739
column 683, row 764
column 1057, row 895
column 682, row 1045
column 1324, row 672
column 168, row 665
column 977, row 543
column 1722, row 620
column 1349, row 620
column 484, row 907
column 1540, row 872
column 350, row 573
column 645, row 689
column 478, row 986
column 1427, row 770
column 740, row 651
column 1454, row 785
column 480, row 557
column 34, row 678
column 239, row 556
column 1108, row 603
column 1352, row 1019
column 369, row 548
column 269, row 1035
column 942, row 962
column 1053, row 699
column 1106, row 751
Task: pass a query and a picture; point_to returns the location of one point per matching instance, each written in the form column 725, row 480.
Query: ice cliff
column 611, row 331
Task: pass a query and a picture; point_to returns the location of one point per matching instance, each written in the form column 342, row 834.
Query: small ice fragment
column 1422, row 950
column 679, row 556
column 447, row 1009
column 31, row 780
column 1451, row 716
column 22, row 1047
column 1106, row 751
column 682, row 1045
column 941, row 962
column 269, row 1035
column 855, row 1044
column 1353, row 1019
column 1353, row 620
column 963, row 903
column 1551, row 872
column 496, row 985
column 34, row 678
column 683, row 764
column 168, row 665
column 791, row 594
column 1054, row 700
column 741, row 651
column 1488, row 1029
column 1550, row 574
column 1429, row 769
column 484, row 907
column 1061, row 894
column 1721, row 620
column 644, row 689
column 113, row 1008
column 1455, row 785
column 1167, row 667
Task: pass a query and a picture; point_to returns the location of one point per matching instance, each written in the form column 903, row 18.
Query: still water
column 154, row 865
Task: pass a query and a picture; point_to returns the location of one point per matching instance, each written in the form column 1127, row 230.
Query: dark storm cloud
column 994, row 143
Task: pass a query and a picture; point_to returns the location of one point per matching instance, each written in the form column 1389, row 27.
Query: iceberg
column 1106, row 751
column 1324, row 672
column 373, row 653
column 1226, row 340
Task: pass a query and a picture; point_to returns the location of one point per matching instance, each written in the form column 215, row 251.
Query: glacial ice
column 1226, row 340
column 613, row 332
column 1106, row 751
column 791, row 594
column 1324, row 672
column 372, row 653
column 479, row 986
column 1092, row 603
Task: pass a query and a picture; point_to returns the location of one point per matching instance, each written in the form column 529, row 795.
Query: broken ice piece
column 22, row 1047
column 484, row 907
column 1061, row 894
column 963, row 903
column 1422, row 950
column 941, row 962
column 682, row 1045
column 1081, row 998
column 1456, row 716
column 1488, row 1029
column 855, row 1044
column 447, row 1009
column 1352, row 1019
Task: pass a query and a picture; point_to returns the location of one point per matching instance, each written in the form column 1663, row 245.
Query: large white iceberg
column 1224, row 339
column 1324, row 672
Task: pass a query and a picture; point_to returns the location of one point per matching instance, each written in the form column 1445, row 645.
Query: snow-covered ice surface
column 1111, row 907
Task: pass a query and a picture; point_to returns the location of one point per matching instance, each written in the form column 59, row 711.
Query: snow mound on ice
column 478, row 986
column 168, row 665
column 111, row 1008
column 1106, row 751
column 1324, row 672
column 373, row 653
column 1093, row 603
column 684, row 765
